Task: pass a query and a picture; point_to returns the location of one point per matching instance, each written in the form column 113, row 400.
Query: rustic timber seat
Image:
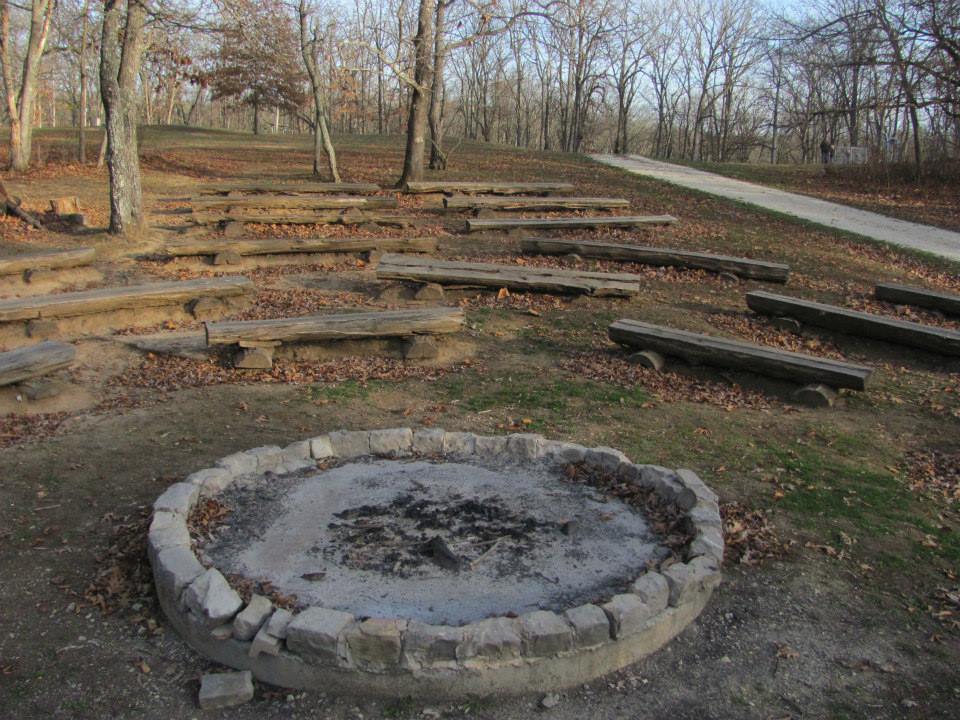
column 741, row 267
column 473, row 274
column 34, row 361
column 287, row 202
column 229, row 251
column 451, row 187
column 46, row 260
column 853, row 322
column 263, row 187
column 348, row 216
column 568, row 223
column 920, row 297
column 258, row 338
column 468, row 202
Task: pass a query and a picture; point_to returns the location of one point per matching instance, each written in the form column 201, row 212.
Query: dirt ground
column 841, row 596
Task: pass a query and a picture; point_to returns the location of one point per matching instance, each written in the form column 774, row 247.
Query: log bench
column 741, row 267
column 46, row 260
column 451, row 187
column 350, row 216
column 568, row 223
column 517, row 277
column 853, row 322
column 654, row 341
column 257, row 339
column 262, row 187
column 228, row 252
column 467, row 202
column 288, row 202
column 34, row 361
column 919, row 297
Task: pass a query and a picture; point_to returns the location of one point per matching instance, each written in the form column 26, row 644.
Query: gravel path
column 878, row 227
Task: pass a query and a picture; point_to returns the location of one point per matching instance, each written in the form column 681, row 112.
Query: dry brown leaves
column 749, row 536
column 933, row 473
column 294, row 302
column 15, row 429
column 761, row 332
column 867, row 304
column 531, row 303
column 946, row 605
column 609, row 367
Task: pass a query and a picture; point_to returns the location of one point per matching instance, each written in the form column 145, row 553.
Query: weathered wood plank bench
column 572, row 223
column 450, row 187
column 288, row 202
column 244, row 247
column 920, row 297
column 467, row 202
column 262, row 187
column 853, row 322
column 739, row 355
column 258, row 338
column 470, row 274
column 741, row 267
column 350, row 216
column 47, row 260
column 34, row 361
column 130, row 297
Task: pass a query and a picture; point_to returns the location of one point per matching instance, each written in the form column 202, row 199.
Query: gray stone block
column 590, row 623
column 211, row 481
column 427, row 645
column 708, row 542
column 564, row 452
column 320, row 447
column 705, row 514
column 652, row 588
column 375, row 644
column 265, row 643
column 238, row 464
column 490, row 446
column 525, row 446
column 299, row 450
column 691, row 581
column 211, row 599
column 178, row 498
column 395, row 442
column 494, row 639
column 545, row 634
column 428, row 441
column 248, row 621
column 459, row 444
column 278, row 623
column 605, row 458
column 691, row 480
column 174, row 569
column 268, row 458
column 350, row 443
column 223, row 690
column 315, row 633
column 167, row 530
column 628, row 614
column 667, row 485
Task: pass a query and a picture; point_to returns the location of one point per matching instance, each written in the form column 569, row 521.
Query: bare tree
column 322, row 144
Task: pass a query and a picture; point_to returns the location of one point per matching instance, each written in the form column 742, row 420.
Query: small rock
column 227, row 257
column 430, row 292
column 257, row 358
column 42, row 329
column 420, row 347
column 550, row 701
column 222, row 690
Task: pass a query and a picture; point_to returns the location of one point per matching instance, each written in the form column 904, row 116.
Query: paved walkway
column 879, row 227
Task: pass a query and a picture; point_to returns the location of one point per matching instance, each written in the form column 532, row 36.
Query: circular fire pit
column 442, row 564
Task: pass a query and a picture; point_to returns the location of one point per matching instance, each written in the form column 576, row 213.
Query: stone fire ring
column 333, row 651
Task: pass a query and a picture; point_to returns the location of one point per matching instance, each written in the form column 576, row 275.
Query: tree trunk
column 322, row 144
column 119, row 66
column 82, row 145
column 423, row 79
column 438, row 159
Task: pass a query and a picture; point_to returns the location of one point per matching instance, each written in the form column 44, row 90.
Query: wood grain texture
column 571, row 223
column 47, row 260
column 35, row 360
column 265, row 187
column 449, row 187
column 466, row 202
column 282, row 246
column 920, row 297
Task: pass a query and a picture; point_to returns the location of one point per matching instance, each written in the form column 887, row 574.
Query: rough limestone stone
column 652, row 588
column 705, row 514
column 222, row 632
column 490, row 446
column 459, row 444
column 421, row 347
column 211, row 599
column 238, row 464
column 628, row 614
column 690, row 581
column 254, row 358
column 691, row 480
column 525, row 446
column 350, row 443
column 278, row 623
column 432, row 292
column 299, row 450
column 545, row 634
column 395, row 442
column 211, row 481
column 247, row 623
column 174, row 569
column 590, row 623
column 223, row 690
column 315, row 633
column 564, row 452
column 207, row 308
column 426, row 645
column 629, row 472
column 167, row 530
column 320, row 447
column 268, row 458
column 496, row 639
column 375, row 644
column 265, row 643
column 709, row 542
column 428, row 441
column 667, row 485
column 605, row 458
column 178, row 498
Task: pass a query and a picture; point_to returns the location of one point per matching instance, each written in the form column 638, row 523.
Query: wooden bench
column 466, row 202
column 35, row 360
column 853, row 322
column 46, row 260
column 741, row 267
column 450, row 187
column 571, row 223
column 258, row 338
column 288, row 202
column 227, row 250
column 130, row 297
column 739, row 355
column 920, row 297
column 471, row 274
column 262, row 187
column 350, row 216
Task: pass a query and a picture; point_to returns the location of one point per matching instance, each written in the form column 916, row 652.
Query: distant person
column 826, row 151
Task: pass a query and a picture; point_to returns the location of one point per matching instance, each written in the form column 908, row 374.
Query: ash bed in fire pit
column 441, row 564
